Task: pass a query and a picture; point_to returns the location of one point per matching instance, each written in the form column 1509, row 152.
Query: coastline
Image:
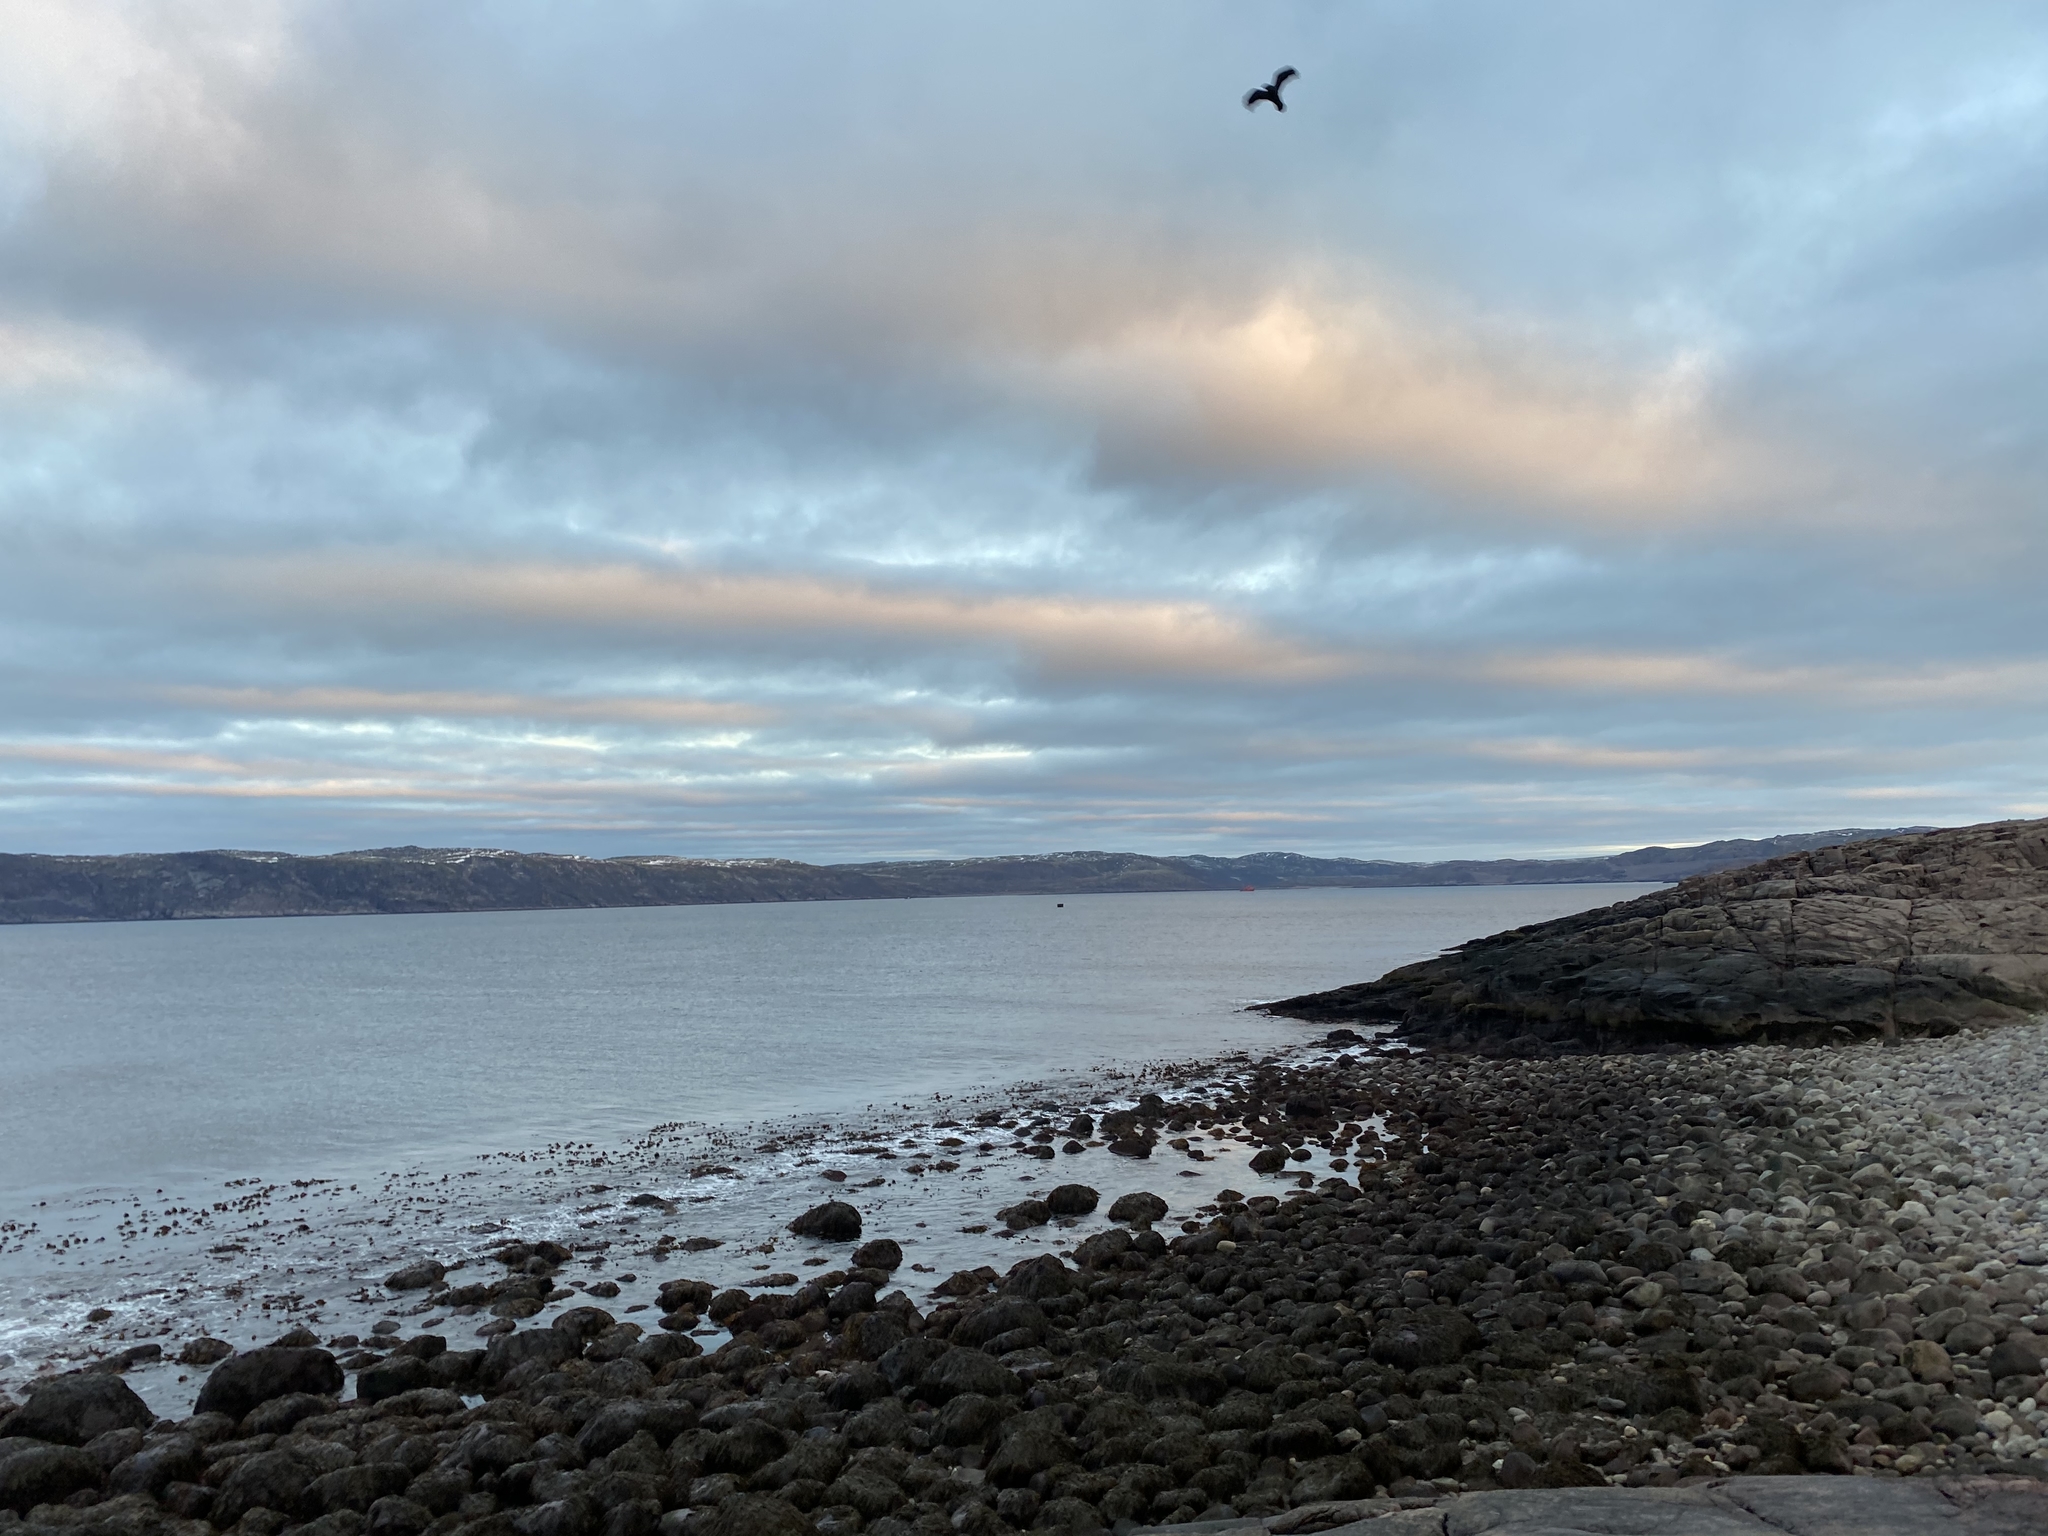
column 1556, row 1272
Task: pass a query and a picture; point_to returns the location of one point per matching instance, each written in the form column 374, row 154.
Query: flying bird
column 1270, row 92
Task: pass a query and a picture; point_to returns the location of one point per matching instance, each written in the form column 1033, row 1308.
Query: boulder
column 965, row 1370
column 417, row 1276
column 585, row 1323
column 388, row 1378
column 508, row 1351
column 1141, row 1208
column 240, row 1383
column 267, row 1480
column 2018, row 1355
column 155, row 1467
column 32, row 1473
column 879, row 1253
column 1039, row 1277
column 70, row 1410
column 833, row 1222
column 1025, row 1213
column 753, row 1514
column 1434, row 1336
column 280, row 1415
column 1072, row 1200
column 1928, row 1362
column 1104, row 1250
column 205, row 1351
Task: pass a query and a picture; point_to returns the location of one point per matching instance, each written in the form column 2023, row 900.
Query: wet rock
column 154, row 1468
column 1025, row 1213
column 1039, row 1279
column 833, row 1222
column 966, row 1370
column 545, row 1346
column 355, row 1488
column 32, row 1473
column 1030, row 1447
column 417, row 1276
column 753, row 1514
column 584, row 1323
column 397, row 1516
column 399, row 1373
column 1434, row 1336
column 1269, row 1160
column 1103, row 1250
column 1140, row 1208
column 677, row 1295
column 280, row 1415
column 72, row 1410
column 205, row 1351
column 267, row 1480
column 904, row 1364
column 879, row 1253
column 240, row 1383
column 1072, row 1200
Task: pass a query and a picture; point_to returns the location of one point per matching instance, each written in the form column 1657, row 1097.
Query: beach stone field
column 1699, row 1288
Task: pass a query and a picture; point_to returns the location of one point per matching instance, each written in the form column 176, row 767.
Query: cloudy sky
column 847, row 431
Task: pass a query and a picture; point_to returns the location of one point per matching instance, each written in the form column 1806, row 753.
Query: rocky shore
column 1645, row 1270
column 1922, row 933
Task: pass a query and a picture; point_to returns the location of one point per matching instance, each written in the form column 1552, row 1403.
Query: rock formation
column 1921, row 933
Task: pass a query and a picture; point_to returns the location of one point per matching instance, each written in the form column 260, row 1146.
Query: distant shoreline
column 57, row 888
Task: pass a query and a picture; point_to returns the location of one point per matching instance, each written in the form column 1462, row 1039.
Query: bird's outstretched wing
column 1258, row 94
column 1284, row 76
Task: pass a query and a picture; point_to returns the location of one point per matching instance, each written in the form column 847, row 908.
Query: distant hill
column 57, row 888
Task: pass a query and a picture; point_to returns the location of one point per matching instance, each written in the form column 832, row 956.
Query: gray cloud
column 797, row 430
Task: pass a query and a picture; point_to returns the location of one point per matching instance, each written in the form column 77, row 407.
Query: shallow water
column 232, row 1126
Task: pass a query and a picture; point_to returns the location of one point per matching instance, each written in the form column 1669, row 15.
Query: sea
column 231, row 1128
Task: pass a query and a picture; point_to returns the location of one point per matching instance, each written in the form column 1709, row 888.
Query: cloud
column 1065, row 637
column 657, row 427
column 42, row 356
column 1310, row 385
column 373, row 703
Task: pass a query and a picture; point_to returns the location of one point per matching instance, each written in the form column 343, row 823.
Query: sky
column 909, row 430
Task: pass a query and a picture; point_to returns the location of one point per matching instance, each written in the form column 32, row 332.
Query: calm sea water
column 338, row 1046
column 232, row 1128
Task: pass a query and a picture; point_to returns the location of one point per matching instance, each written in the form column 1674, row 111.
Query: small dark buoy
column 1059, row 903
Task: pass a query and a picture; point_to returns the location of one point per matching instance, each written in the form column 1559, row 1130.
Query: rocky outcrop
column 1921, row 933
column 45, row 888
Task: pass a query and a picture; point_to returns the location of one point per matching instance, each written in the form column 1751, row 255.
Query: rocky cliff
column 46, row 888
column 1920, row 933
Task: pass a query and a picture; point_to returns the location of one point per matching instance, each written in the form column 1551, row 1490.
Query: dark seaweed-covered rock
column 1141, row 1208
column 71, row 1410
column 239, row 1384
column 32, row 1473
column 879, row 1253
column 1073, row 1199
column 833, row 1222
column 416, row 1276
column 391, row 1376
column 966, row 1370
